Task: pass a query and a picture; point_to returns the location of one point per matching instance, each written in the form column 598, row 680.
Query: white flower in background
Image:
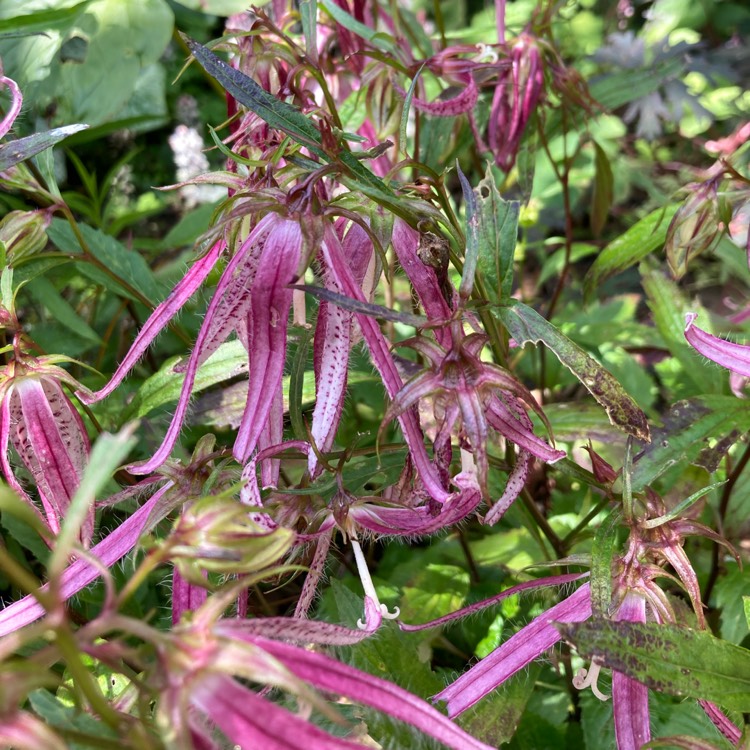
column 187, row 149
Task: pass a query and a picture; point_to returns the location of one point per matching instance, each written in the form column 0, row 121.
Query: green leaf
column 125, row 264
column 602, row 194
column 696, row 430
column 668, row 304
column 44, row 291
column 602, row 552
column 731, row 600
column 402, row 138
column 308, row 12
column 297, row 384
column 436, row 590
column 379, row 40
column 245, row 90
column 498, row 232
column 24, row 148
column 527, row 325
column 164, row 386
column 58, row 715
column 471, row 256
column 672, row 660
column 636, row 243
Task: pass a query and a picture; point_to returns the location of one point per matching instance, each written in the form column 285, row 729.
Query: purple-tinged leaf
column 668, row 658
column 471, row 256
column 14, row 152
column 527, row 325
column 735, row 357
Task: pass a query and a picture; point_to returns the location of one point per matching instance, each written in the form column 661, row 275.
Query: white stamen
column 584, row 679
column 369, row 586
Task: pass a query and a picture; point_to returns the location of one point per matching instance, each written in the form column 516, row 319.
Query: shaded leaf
column 498, row 232
column 601, row 197
column 17, row 151
column 636, row 243
column 689, row 427
column 527, row 325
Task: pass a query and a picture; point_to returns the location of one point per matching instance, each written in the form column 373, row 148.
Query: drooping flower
column 203, row 658
column 251, row 299
column 472, row 394
column 734, row 357
column 41, row 424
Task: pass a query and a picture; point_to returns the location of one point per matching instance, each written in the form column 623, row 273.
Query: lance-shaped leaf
column 734, row 357
column 471, row 255
column 24, row 148
column 527, row 325
column 673, row 660
column 498, row 233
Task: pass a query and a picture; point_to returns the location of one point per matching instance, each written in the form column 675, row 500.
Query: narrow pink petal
column 158, row 320
column 271, row 302
column 332, row 344
column 507, row 424
column 251, row 722
column 735, row 357
column 206, row 339
column 272, row 435
column 386, row 367
column 536, row 583
column 518, row 651
column 44, row 449
column 513, row 487
column 6, row 419
column 463, row 102
column 16, row 102
column 405, row 242
column 722, row 722
column 80, row 574
column 630, row 697
column 186, row 596
column 332, row 676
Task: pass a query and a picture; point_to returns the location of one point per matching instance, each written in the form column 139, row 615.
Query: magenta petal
column 267, row 326
column 511, row 426
column 81, row 573
column 332, row 676
column 735, row 357
column 463, row 102
column 251, row 722
column 381, row 356
column 332, row 343
column 158, row 319
column 51, row 440
column 186, row 596
column 630, row 697
column 513, row 487
column 16, row 101
column 722, row 722
column 518, row 651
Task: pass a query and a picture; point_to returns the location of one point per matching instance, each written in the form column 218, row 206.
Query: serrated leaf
column 435, row 590
column 672, row 660
column 629, row 248
column 125, row 264
column 498, row 232
column 526, row 325
column 19, row 150
column 685, row 434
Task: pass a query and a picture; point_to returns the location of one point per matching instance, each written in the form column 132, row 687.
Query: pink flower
column 47, row 433
column 734, row 357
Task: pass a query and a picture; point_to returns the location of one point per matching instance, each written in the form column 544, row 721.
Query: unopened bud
column 23, row 234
